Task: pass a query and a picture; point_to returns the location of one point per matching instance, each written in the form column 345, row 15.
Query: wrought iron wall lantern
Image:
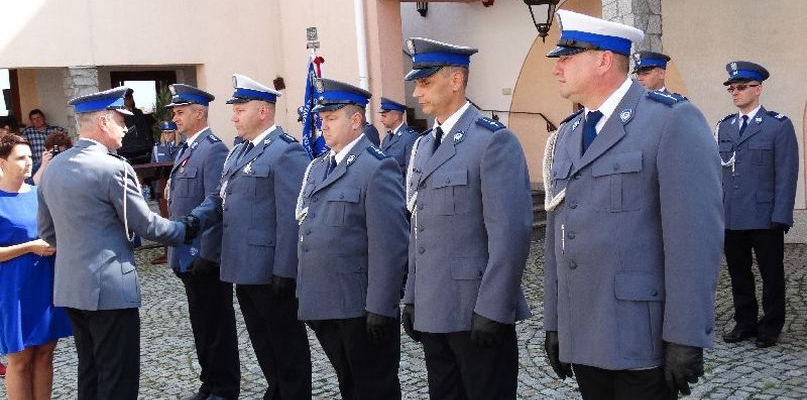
column 543, row 27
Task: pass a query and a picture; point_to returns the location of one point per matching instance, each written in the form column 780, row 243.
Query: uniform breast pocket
column 339, row 203
column 761, row 152
column 258, row 179
column 559, row 175
column 617, row 185
column 450, row 193
column 183, row 185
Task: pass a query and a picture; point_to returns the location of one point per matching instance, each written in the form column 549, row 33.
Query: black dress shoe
column 766, row 340
column 198, row 396
column 738, row 335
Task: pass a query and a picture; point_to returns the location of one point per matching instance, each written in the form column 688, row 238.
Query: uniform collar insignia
column 459, row 136
column 575, row 124
column 351, row 158
column 195, row 143
column 248, row 169
column 758, row 119
column 193, row 251
column 626, row 115
column 267, row 141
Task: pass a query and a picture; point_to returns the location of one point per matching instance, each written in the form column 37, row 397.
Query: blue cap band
column 747, row 74
column 99, row 104
column 254, row 95
column 193, row 98
column 336, row 96
column 391, row 106
column 168, row 126
column 603, row 42
column 442, row 58
column 652, row 62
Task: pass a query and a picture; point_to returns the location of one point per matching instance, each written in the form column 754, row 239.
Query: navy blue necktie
column 182, row 147
column 331, row 165
column 743, row 125
column 249, row 146
column 590, row 128
column 438, row 138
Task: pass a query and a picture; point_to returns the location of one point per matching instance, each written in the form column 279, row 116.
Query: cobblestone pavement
column 169, row 368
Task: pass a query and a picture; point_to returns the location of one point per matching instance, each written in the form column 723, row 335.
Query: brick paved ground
column 741, row 371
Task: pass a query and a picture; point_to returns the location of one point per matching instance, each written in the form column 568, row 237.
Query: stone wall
column 642, row 14
column 78, row 81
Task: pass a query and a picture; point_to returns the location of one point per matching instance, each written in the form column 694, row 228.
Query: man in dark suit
column 352, row 249
column 468, row 189
column 90, row 204
column 196, row 174
column 760, row 156
column 399, row 138
column 634, row 228
column 255, row 202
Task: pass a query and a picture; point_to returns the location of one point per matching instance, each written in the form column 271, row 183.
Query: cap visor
column 327, row 107
column 564, row 51
column 123, row 111
column 419, row 73
column 737, row 79
column 237, row 100
column 184, row 103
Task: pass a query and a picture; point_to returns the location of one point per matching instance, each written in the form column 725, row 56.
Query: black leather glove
column 408, row 321
column 682, row 365
column 379, row 327
column 552, row 349
column 780, row 227
column 486, row 332
column 283, row 288
column 202, row 267
column 191, row 227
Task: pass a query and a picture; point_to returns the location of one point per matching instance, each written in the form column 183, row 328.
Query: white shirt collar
column 258, row 139
column 607, row 108
column 195, row 135
column 397, row 130
column 449, row 123
column 343, row 153
column 663, row 89
column 751, row 114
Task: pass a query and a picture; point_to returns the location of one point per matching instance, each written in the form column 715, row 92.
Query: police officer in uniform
column 196, row 174
column 90, row 203
column 353, row 249
column 760, row 157
column 399, row 138
column 168, row 146
column 634, row 229
column 255, row 201
column 651, row 70
column 469, row 191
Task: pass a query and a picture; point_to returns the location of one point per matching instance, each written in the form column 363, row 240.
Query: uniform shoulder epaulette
column 779, row 116
column 426, row 132
column 376, row 152
column 411, row 130
column 213, row 138
column 725, row 118
column 570, row 117
column 679, row 96
column 490, row 124
column 661, row 97
column 118, row 156
column 287, row 138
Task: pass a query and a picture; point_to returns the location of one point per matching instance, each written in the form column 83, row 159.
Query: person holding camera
column 55, row 143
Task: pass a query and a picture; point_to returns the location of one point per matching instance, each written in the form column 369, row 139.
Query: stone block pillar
column 78, row 81
column 642, row 14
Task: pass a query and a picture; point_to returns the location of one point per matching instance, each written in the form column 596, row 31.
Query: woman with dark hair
column 30, row 325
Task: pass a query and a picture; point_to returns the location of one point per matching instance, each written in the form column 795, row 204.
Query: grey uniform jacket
column 399, row 145
column 760, row 188
column 632, row 252
column 81, row 212
column 255, row 203
column 353, row 239
column 195, row 175
column 471, row 227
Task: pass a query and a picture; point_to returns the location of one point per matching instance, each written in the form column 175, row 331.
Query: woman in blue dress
column 30, row 325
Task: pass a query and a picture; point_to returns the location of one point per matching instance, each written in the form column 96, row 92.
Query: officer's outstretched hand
column 202, row 267
column 379, row 327
column 283, row 288
column 408, row 321
column 552, row 348
column 191, row 227
column 682, row 365
column 486, row 332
